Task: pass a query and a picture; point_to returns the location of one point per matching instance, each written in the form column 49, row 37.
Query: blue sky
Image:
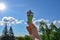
column 42, row 9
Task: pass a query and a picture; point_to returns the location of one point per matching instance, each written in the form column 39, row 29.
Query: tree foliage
column 26, row 37
column 49, row 33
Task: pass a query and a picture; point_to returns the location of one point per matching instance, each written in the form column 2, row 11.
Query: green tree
column 19, row 38
column 11, row 34
column 5, row 35
column 27, row 37
column 5, row 30
column 45, row 31
column 49, row 33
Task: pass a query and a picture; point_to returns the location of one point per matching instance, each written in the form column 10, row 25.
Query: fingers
column 33, row 31
column 29, row 30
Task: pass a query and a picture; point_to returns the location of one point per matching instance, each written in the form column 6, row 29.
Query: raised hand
column 33, row 32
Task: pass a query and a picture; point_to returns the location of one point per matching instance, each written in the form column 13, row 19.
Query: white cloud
column 37, row 22
column 33, row 19
column 10, row 21
column 40, row 20
column 13, row 21
column 54, row 22
column 57, row 23
column 1, row 23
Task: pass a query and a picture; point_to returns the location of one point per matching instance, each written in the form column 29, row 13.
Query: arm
column 33, row 32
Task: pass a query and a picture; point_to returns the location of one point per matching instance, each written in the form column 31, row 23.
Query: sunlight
column 2, row 6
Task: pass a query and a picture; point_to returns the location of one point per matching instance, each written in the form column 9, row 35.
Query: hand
column 33, row 31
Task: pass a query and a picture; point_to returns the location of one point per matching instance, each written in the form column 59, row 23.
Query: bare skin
column 33, row 31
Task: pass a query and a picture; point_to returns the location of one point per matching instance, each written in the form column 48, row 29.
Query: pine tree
column 5, row 35
column 11, row 34
column 5, row 30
